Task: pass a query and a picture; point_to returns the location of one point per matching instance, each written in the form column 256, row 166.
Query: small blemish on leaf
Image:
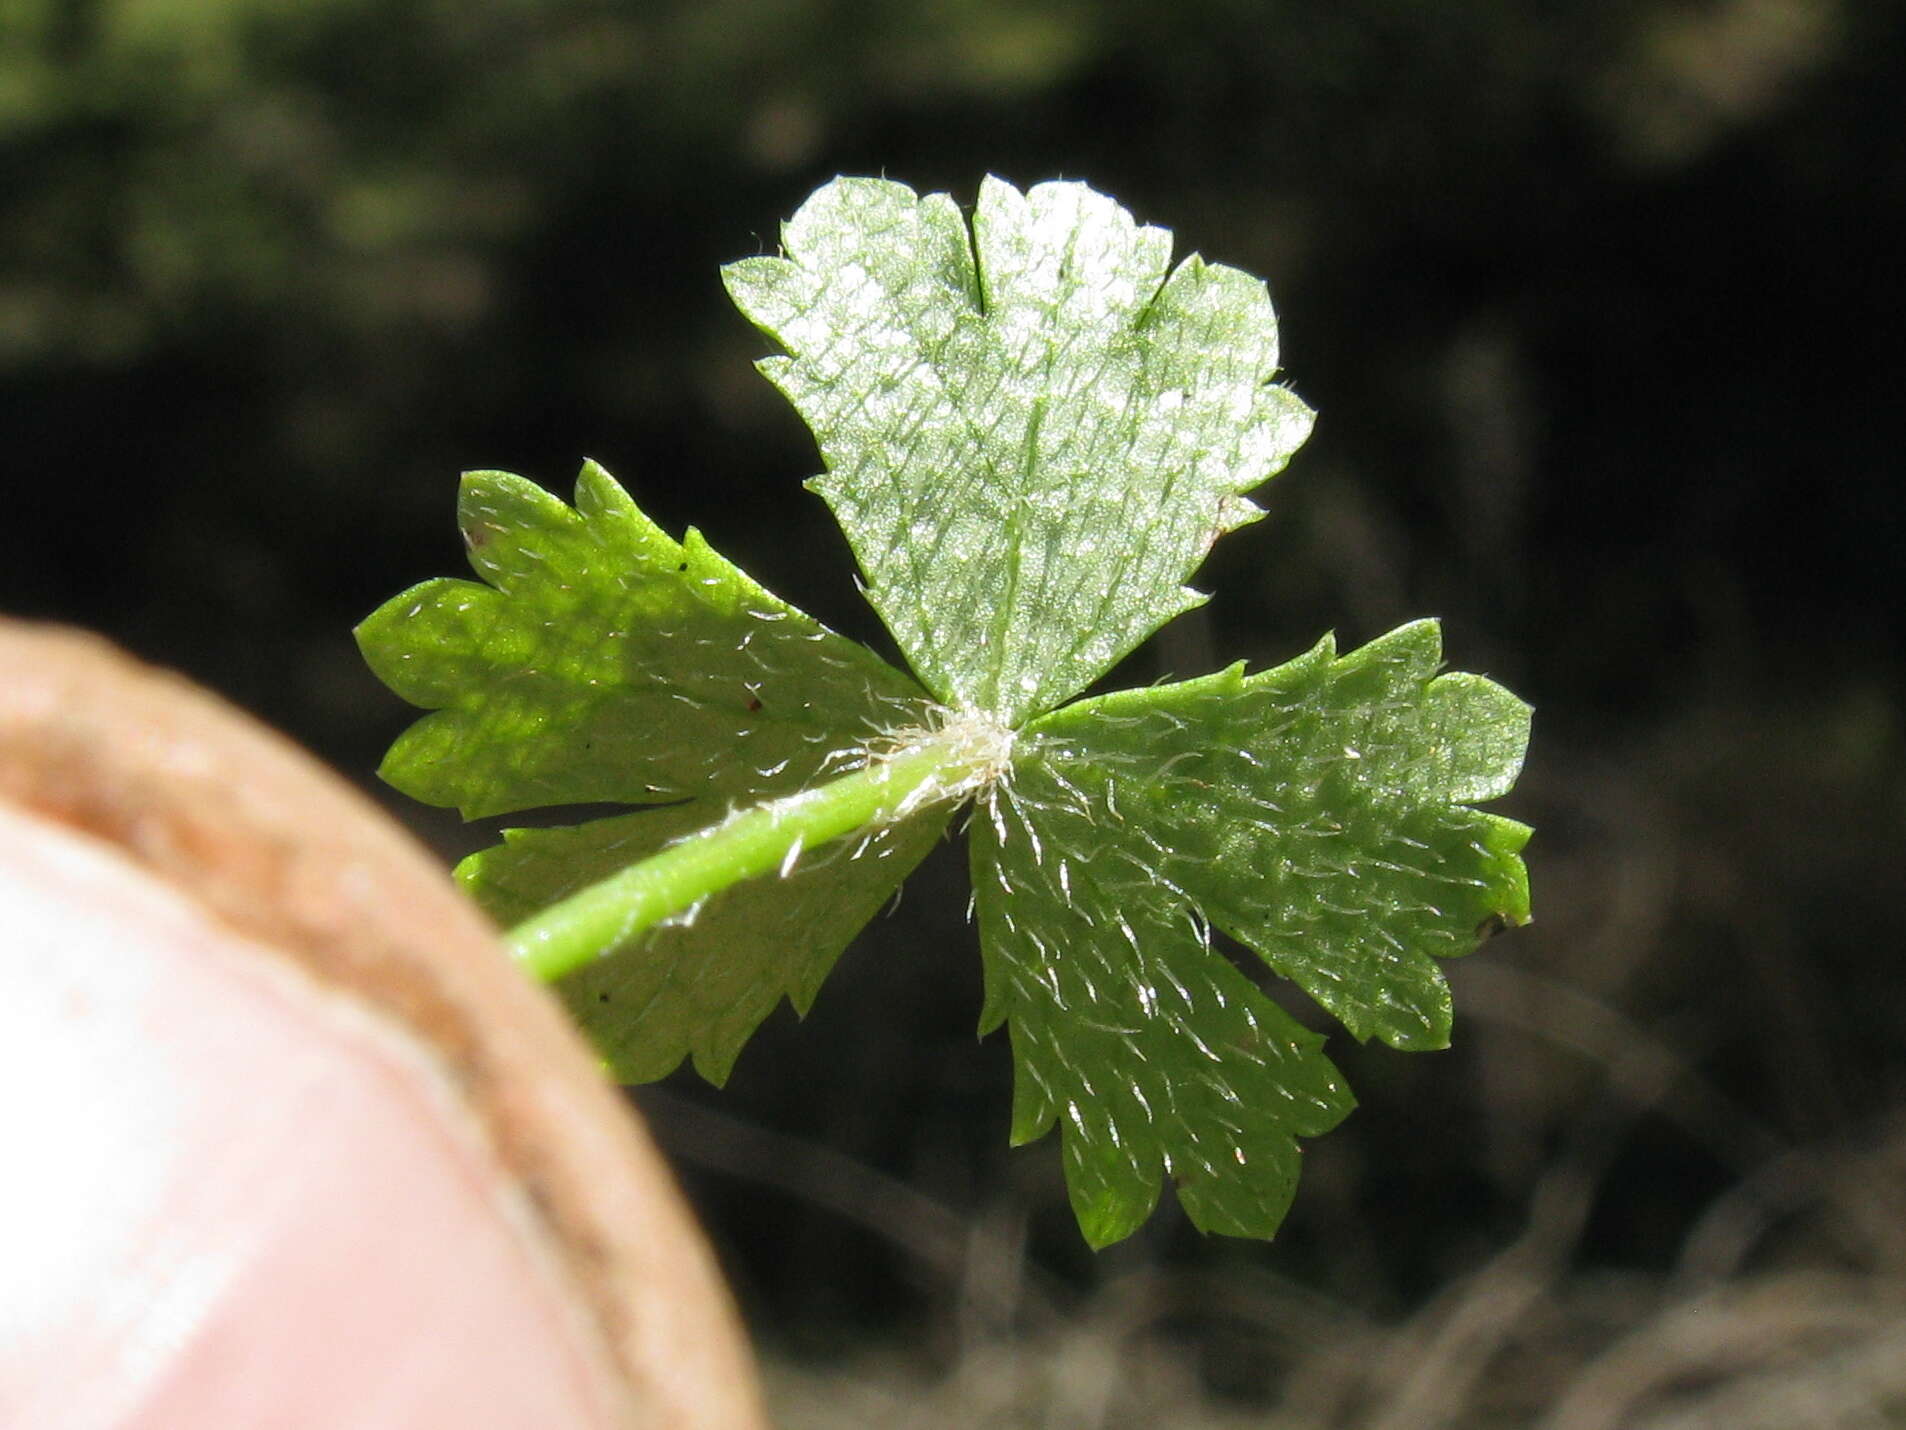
column 1491, row 926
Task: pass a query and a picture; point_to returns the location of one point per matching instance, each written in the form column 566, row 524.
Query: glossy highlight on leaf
column 1034, row 431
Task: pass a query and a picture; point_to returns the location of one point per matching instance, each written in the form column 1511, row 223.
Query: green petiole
column 944, row 764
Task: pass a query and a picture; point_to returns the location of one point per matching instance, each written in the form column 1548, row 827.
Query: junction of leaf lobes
column 974, row 753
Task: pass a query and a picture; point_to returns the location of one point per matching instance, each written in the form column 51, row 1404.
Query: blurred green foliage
column 364, row 166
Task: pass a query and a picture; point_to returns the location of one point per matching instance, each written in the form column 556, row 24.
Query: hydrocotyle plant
column 1034, row 428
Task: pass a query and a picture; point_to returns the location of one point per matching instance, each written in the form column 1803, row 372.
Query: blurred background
column 1601, row 304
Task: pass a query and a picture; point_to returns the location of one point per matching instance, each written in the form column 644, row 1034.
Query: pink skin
column 290, row 1141
column 238, row 1199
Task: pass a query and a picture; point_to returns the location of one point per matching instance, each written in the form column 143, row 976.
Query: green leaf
column 1154, row 1054
column 605, row 662
column 699, row 987
column 1314, row 812
column 1033, row 432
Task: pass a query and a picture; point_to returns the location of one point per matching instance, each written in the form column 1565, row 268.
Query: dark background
column 1601, row 305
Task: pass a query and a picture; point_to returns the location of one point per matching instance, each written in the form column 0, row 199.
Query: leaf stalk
column 948, row 763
